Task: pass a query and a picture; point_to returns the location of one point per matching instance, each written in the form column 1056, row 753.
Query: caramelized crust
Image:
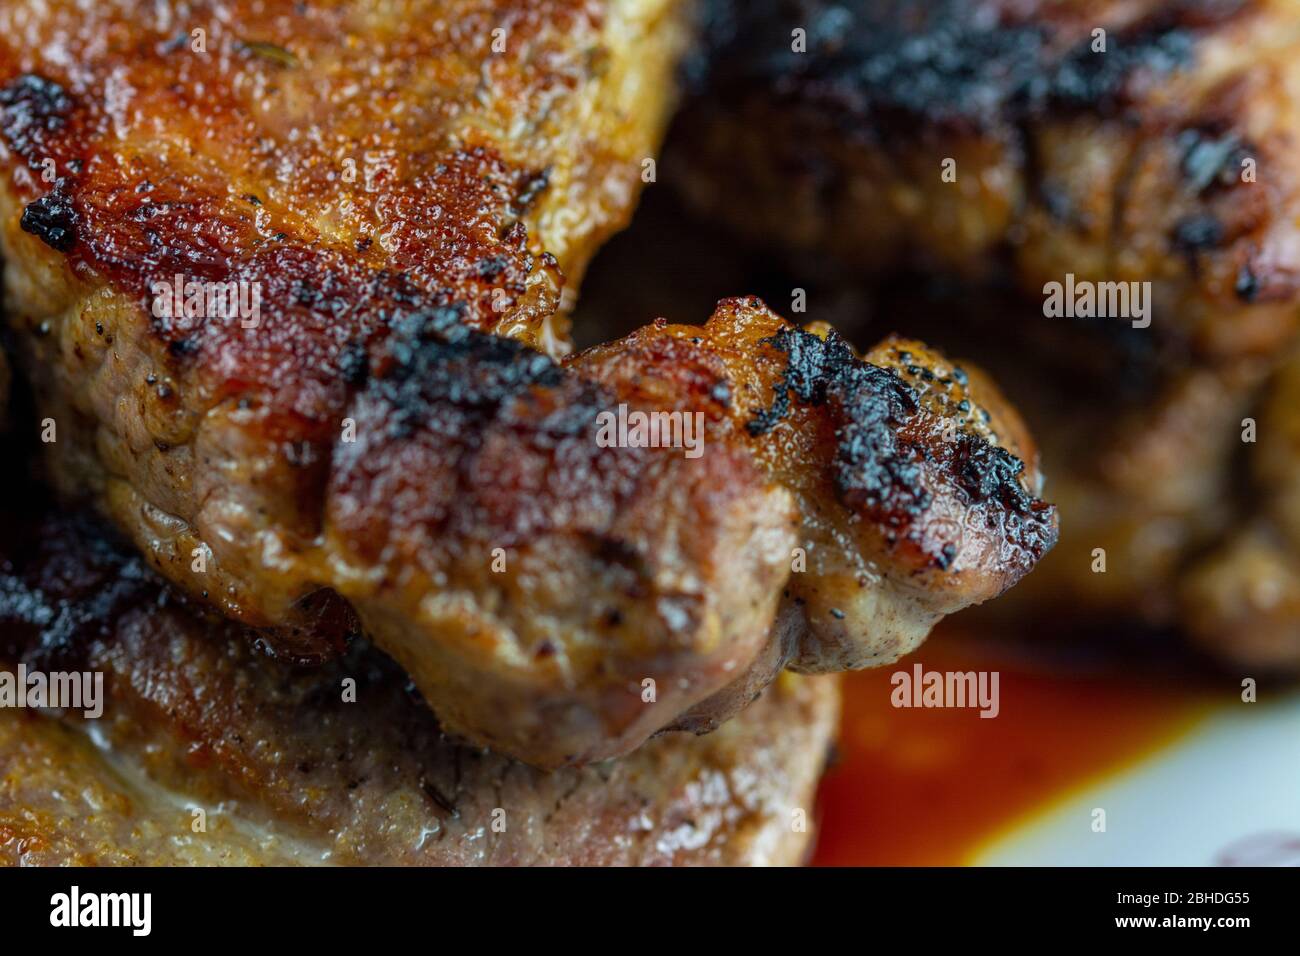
column 347, row 155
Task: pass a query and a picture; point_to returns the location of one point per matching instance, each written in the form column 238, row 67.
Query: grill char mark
column 950, row 63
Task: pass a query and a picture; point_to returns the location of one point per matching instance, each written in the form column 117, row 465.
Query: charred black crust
column 1093, row 80
column 354, row 364
column 31, row 107
column 815, row 367
column 64, row 582
column 52, row 219
column 988, row 472
column 1198, row 233
column 870, row 404
column 948, row 62
column 67, row 581
column 433, row 361
column 1212, row 157
column 1247, row 284
column 876, row 466
column 871, row 60
column 530, row 190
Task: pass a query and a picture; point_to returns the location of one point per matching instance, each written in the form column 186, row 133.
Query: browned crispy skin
column 350, row 155
column 287, row 772
column 369, row 440
column 1127, row 164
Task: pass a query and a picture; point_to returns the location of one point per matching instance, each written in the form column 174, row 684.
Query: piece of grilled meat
column 369, row 439
column 348, row 156
column 532, row 581
column 908, row 471
column 1123, row 140
column 1158, row 150
column 295, row 765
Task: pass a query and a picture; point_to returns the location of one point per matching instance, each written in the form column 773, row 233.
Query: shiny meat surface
column 287, row 771
column 352, row 157
column 881, row 496
column 533, row 581
column 909, row 471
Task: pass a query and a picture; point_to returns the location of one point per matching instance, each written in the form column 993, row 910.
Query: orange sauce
column 922, row 787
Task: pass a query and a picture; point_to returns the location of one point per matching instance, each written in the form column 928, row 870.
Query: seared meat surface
column 428, row 153
column 914, row 480
column 289, row 769
column 388, row 440
column 1160, row 149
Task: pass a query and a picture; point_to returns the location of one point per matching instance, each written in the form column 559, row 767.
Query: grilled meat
column 1128, row 140
column 288, row 770
column 433, row 152
column 1241, row 597
column 1155, row 473
column 908, row 471
column 1143, row 140
column 889, row 499
column 368, row 446
column 1148, row 487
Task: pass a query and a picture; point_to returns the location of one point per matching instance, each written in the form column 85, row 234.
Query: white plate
column 1226, row 793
